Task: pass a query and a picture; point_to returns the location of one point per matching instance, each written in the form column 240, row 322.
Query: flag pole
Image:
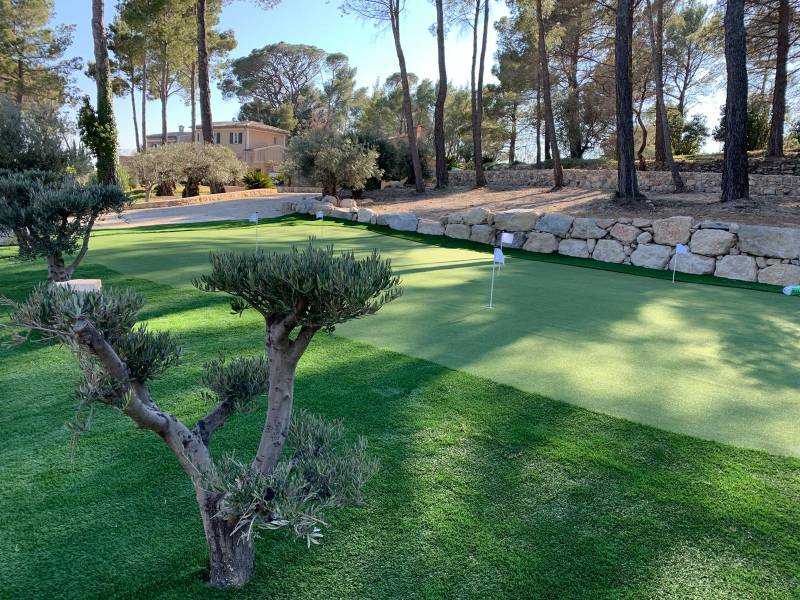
column 256, row 231
column 491, row 289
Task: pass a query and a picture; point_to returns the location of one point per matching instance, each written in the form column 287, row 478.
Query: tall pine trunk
column 735, row 180
column 775, row 143
column 203, row 77
column 477, row 91
column 162, row 92
column 662, row 124
column 144, row 102
column 442, row 175
column 538, row 121
column 193, row 97
column 106, row 160
column 572, row 111
column 416, row 165
column 658, row 67
column 549, row 120
column 627, row 183
column 133, row 111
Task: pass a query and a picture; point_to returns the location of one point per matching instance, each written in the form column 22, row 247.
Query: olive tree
column 331, row 160
column 209, row 163
column 52, row 216
column 151, row 168
column 298, row 294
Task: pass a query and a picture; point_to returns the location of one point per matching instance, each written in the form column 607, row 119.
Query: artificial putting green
column 718, row 363
column 483, row 491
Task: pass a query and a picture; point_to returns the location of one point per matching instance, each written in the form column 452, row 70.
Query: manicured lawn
column 714, row 362
column 484, row 490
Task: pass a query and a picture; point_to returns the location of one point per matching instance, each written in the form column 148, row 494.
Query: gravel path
column 224, row 210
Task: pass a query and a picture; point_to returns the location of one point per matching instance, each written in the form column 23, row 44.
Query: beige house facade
column 261, row 147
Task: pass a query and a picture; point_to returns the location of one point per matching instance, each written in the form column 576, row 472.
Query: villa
column 261, row 147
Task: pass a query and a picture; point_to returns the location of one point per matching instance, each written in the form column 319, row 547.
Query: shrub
column 758, row 112
column 33, row 139
column 256, row 180
column 52, row 215
column 331, row 160
column 687, row 135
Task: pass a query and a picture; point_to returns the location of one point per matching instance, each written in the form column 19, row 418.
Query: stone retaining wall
column 649, row 181
column 731, row 250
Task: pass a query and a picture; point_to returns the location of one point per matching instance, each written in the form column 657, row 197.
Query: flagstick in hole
column 254, row 219
column 679, row 249
column 321, row 217
column 498, row 258
column 505, row 238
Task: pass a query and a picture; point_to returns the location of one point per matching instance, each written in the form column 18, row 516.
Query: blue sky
column 316, row 22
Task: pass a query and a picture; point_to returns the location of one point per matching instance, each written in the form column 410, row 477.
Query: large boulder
column 367, row 215
column 609, row 251
column 570, row 247
column 430, row 227
column 517, row 242
column 626, row 234
column 330, row 200
column 780, row 274
column 515, row 220
column 712, row 242
column 342, row 213
column 760, row 240
column 672, row 231
column 546, row 243
column 459, row 231
column 478, row 216
column 555, row 223
column 586, row 228
column 482, row 233
column 348, row 203
column 652, row 256
column 737, row 267
column 693, row 263
column 399, row 221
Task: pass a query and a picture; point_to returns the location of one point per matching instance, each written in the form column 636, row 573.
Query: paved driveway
column 224, row 210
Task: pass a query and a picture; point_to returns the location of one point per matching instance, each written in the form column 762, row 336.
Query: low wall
column 649, row 181
column 235, row 195
column 731, row 250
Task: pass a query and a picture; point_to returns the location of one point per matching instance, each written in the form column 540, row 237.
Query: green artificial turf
column 714, row 362
column 484, row 490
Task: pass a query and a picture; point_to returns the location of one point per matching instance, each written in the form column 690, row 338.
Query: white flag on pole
column 499, row 257
column 506, row 238
column 681, row 249
column 320, row 214
column 254, row 217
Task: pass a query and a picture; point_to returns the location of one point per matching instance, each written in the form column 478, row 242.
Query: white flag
column 499, row 257
column 320, row 214
column 506, row 238
column 681, row 249
column 254, row 217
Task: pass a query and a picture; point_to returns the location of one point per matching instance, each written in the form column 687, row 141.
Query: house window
column 274, row 141
column 217, row 138
column 230, row 137
column 239, row 137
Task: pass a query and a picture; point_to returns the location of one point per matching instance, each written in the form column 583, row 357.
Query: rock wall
column 731, row 250
column 649, row 181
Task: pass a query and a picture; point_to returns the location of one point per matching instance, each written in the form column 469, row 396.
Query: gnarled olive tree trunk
column 283, row 355
column 230, row 555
